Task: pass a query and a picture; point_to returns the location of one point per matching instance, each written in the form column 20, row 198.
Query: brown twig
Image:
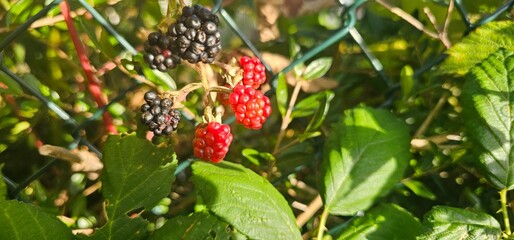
column 409, row 18
column 443, row 36
column 421, row 130
column 424, row 143
column 432, row 19
column 444, row 33
column 310, row 211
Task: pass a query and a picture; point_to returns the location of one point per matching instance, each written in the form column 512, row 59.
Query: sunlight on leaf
column 456, row 223
column 137, row 174
column 477, row 46
column 25, row 221
column 419, row 189
column 197, row 226
column 365, row 155
column 122, row 228
column 488, row 113
column 245, row 200
column 387, row 221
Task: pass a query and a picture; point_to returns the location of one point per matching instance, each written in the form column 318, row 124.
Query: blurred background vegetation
column 46, row 59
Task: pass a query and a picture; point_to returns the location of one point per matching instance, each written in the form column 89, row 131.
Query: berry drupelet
column 195, row 35
column 211, row 141
column 159, row 115
column 158, row 54
column 251, row 107
column 254, row 72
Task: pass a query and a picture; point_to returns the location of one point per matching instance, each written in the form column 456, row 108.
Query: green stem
column 322, row 222
column 220, row 89
column 503, row 201
column 287, row 117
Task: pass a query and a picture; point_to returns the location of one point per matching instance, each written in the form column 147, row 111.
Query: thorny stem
column 503, row 201
column 93, row 83
column 322, row 222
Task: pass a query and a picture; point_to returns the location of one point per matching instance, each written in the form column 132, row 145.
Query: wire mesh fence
column 74, row 126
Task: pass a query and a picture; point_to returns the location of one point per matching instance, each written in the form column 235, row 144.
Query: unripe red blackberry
column 211, row 141
column 251, row 107
column 159, row 115
column 254, row 72
column 195, row 35
column 158, row 54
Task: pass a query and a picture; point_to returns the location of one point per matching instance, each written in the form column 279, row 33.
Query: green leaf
column 311, row 104
column 11, row 86
column 122, row 228
column 108, row 44
column 19, row 12
column 387, row 221
column 307, row 135
column 365, row 154
column 477, row 46
column 419, row 189
column 294, row 48
column 137, row 174
column 448, row 223
column 24, row 221
column 196, row 226
column 294, row 53
column 245, row 200
column 321, row 112
column 317, row 68
column 256, row 157
column 407, row 81
column 282, row 95
column 488, row 112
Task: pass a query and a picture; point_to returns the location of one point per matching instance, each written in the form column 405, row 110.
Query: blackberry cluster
column 195, row 35
column 159, row 115
column 158, row 54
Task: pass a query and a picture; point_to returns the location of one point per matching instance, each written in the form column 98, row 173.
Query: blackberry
column 159, row 115
column 195, row 35
column 158, row 54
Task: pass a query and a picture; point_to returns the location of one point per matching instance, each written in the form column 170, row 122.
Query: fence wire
column 348, row 17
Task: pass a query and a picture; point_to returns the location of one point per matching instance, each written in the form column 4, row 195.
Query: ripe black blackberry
column 195, row 35
column 159, row 115
column 158, row 54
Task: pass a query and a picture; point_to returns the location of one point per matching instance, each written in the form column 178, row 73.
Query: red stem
column 93, row 83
